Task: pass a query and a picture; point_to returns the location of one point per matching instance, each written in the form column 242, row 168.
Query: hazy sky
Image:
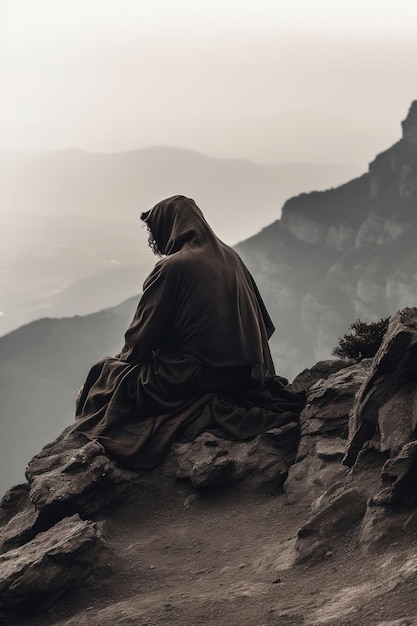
column 263, row 79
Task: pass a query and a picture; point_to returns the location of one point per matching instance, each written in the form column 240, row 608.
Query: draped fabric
column 196, row 355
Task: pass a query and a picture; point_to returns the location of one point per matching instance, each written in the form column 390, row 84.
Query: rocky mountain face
column 289, row 527
column 338, row 255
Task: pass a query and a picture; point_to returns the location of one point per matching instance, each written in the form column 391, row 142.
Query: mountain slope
column 42, row 365
column 340, row 254
column 69, row 216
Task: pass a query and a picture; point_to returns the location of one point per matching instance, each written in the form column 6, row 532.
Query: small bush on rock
column 364, row 340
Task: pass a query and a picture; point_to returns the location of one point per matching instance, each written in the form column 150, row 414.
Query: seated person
column 196, row 356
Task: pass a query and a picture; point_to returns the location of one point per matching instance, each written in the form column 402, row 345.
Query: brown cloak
column 196, row 355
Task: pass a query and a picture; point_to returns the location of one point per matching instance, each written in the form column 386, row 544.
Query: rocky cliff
column 287, row 528
column 340, row 254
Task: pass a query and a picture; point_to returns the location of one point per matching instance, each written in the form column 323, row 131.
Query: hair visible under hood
column 174, row 221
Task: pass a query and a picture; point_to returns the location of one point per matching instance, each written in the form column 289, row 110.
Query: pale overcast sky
column 268, row 80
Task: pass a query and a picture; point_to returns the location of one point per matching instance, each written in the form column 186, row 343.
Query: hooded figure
column 196, row 355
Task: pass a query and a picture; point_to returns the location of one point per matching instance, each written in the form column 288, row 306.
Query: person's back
column 196, row 355
column 204, row 303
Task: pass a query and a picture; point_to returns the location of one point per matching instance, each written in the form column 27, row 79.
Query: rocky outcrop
column 324, row 428
column 66, row 555
column 410, row 125
column 378, row 493
column 389, row 390
column 49, row 524
column 349, row 467
column 262, row 463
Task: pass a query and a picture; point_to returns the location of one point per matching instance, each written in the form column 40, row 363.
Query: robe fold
column 196, row 356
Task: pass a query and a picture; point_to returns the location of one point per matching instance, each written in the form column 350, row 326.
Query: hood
column 175, row 221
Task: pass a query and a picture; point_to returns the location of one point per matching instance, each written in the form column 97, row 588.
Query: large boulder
column 62, row 557
column 69, row 476
column 381, row 449
column 384, row 418
column 385, row 410
column 261, row 463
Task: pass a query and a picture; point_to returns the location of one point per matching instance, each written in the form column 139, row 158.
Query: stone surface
column 329, row 402
column 410, row 125
column 333, row 515
column 260, row 463
column 383, row 526
column 54, row 561
column 399, row 478
column 384, row 415
column 70, row 475
column 381, row 401
column 324, row 428
column 385, row 408
column 406, row 621
column 22, row 526
column 320, row 371
column 66, row 475
column 331, row 449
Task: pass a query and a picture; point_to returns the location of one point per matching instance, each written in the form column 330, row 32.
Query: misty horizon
column 302, row 83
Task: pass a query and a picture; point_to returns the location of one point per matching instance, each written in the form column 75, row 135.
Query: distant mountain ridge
column 70, row 216
column 42, row 365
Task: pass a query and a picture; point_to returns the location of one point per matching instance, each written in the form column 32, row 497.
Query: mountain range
column 339, row 255
column 333, row 256
column 71, row 238
column 42, row 365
